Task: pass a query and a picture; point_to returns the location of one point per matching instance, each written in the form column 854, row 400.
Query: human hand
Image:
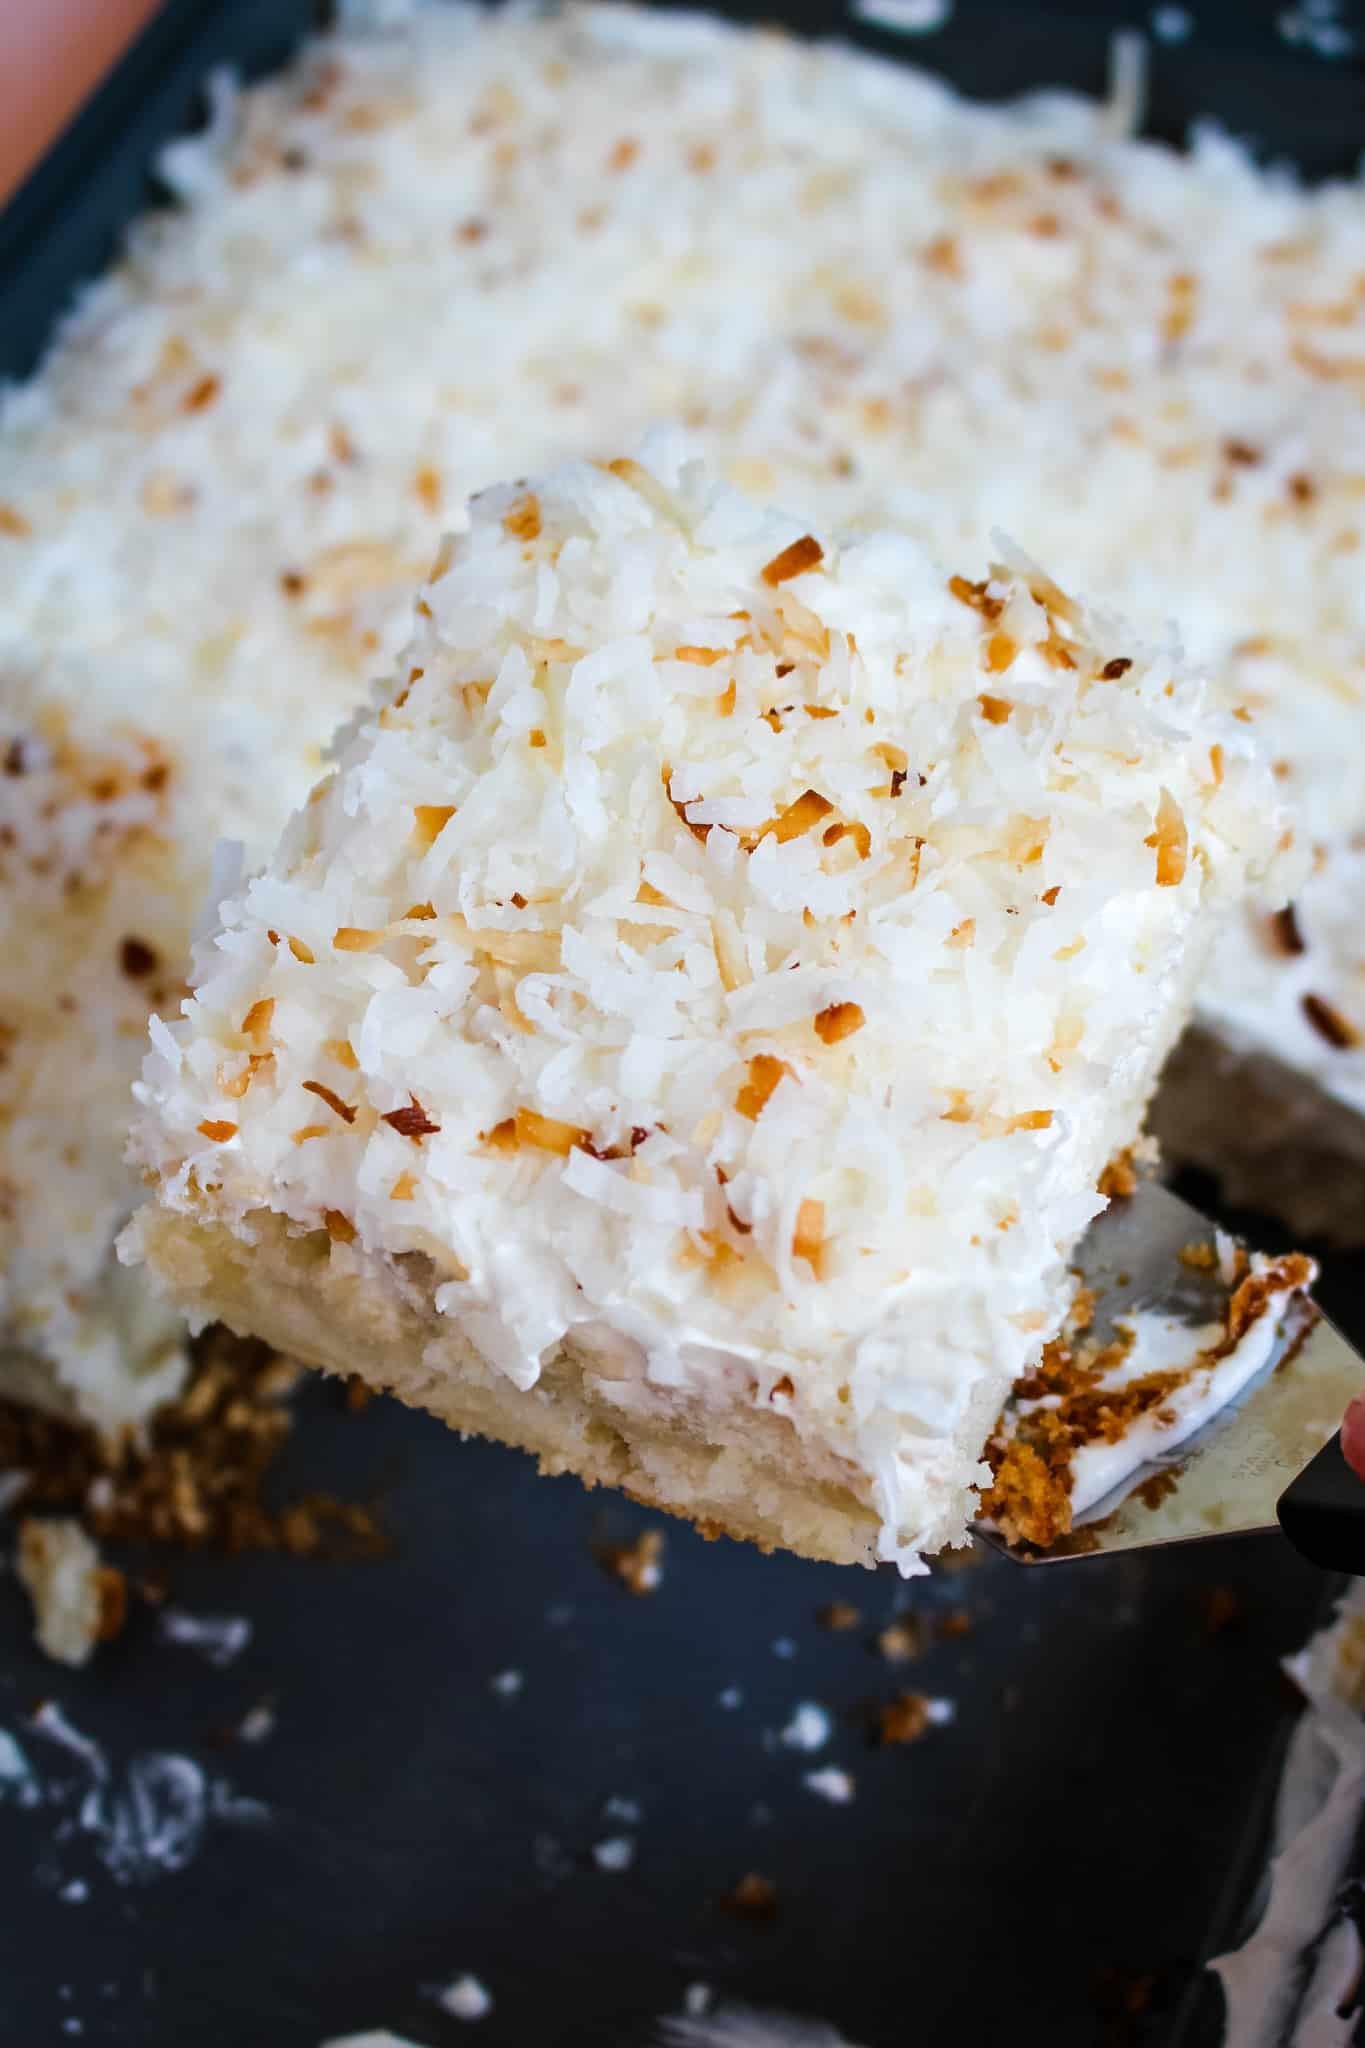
column 1353, row 1436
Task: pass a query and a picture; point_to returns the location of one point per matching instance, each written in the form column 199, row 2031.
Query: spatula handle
column 1323, row 1512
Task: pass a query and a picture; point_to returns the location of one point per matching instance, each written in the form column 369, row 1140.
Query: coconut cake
column 448, row 246
column 684, row 1033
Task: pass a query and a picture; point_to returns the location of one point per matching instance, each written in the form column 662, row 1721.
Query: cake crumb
column 809, row 1728
column 257, row 1723
column 753, row 1898
column 902, row 1639
column 1200, row 1257
column 466, row 1999
column 617, row 1852
column 910, row 1716
column 196, row 1480
column 638, row 1566
column 839, row 1616
column 831, row 1784
column 506, row 1684
column 77, row 1601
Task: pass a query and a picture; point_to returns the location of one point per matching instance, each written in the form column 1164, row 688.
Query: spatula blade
column 1226, row 1479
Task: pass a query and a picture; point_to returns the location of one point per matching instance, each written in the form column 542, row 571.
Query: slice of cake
column 684, row 1034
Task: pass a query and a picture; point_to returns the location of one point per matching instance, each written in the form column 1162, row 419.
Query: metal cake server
column 1271, row 1458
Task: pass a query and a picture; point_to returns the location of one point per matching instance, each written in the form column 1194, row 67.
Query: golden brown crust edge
column 743, row 1478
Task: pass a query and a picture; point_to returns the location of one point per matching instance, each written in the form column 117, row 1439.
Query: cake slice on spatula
column 684, row 1034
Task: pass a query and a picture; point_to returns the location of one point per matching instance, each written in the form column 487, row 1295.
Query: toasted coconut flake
column 137, row 959
column 339, row 1228
column 808, row 1236
column 547, row 1133
column 700, row 657
column 202, row 394
column 1030, row 1120
column 765, row 1071
column 1171, row 840
column 1120, row 1177
column 798, row 817
column 995, row 710
column 13, row 523
column 216, row 1129
column 839, row 1020
column 502, row 1137
column 430, row 821
column 334, row 1102
column 725, row 702
column 1329, row 1023
column 404, row 1188
column 257, row 1020
column 302, row 952
column 1001, row 652
column 305, row 1132
column 1284, row 926
column 411, row 1122
column 701, row 832
column 977, row 596
column 419, row 911
column 857, row 832
column 350, row 938
column 802, row 555
column 342, row 1051
column 1119, row 666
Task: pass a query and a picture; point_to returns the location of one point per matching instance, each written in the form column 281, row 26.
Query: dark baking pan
column 1053, row 1865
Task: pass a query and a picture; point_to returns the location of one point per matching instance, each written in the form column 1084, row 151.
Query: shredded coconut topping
column 601, row 1072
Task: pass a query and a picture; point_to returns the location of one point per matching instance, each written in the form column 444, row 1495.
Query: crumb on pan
column 200, row 1479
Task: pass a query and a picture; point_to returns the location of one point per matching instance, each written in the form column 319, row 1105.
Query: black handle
column 1323, row 1513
